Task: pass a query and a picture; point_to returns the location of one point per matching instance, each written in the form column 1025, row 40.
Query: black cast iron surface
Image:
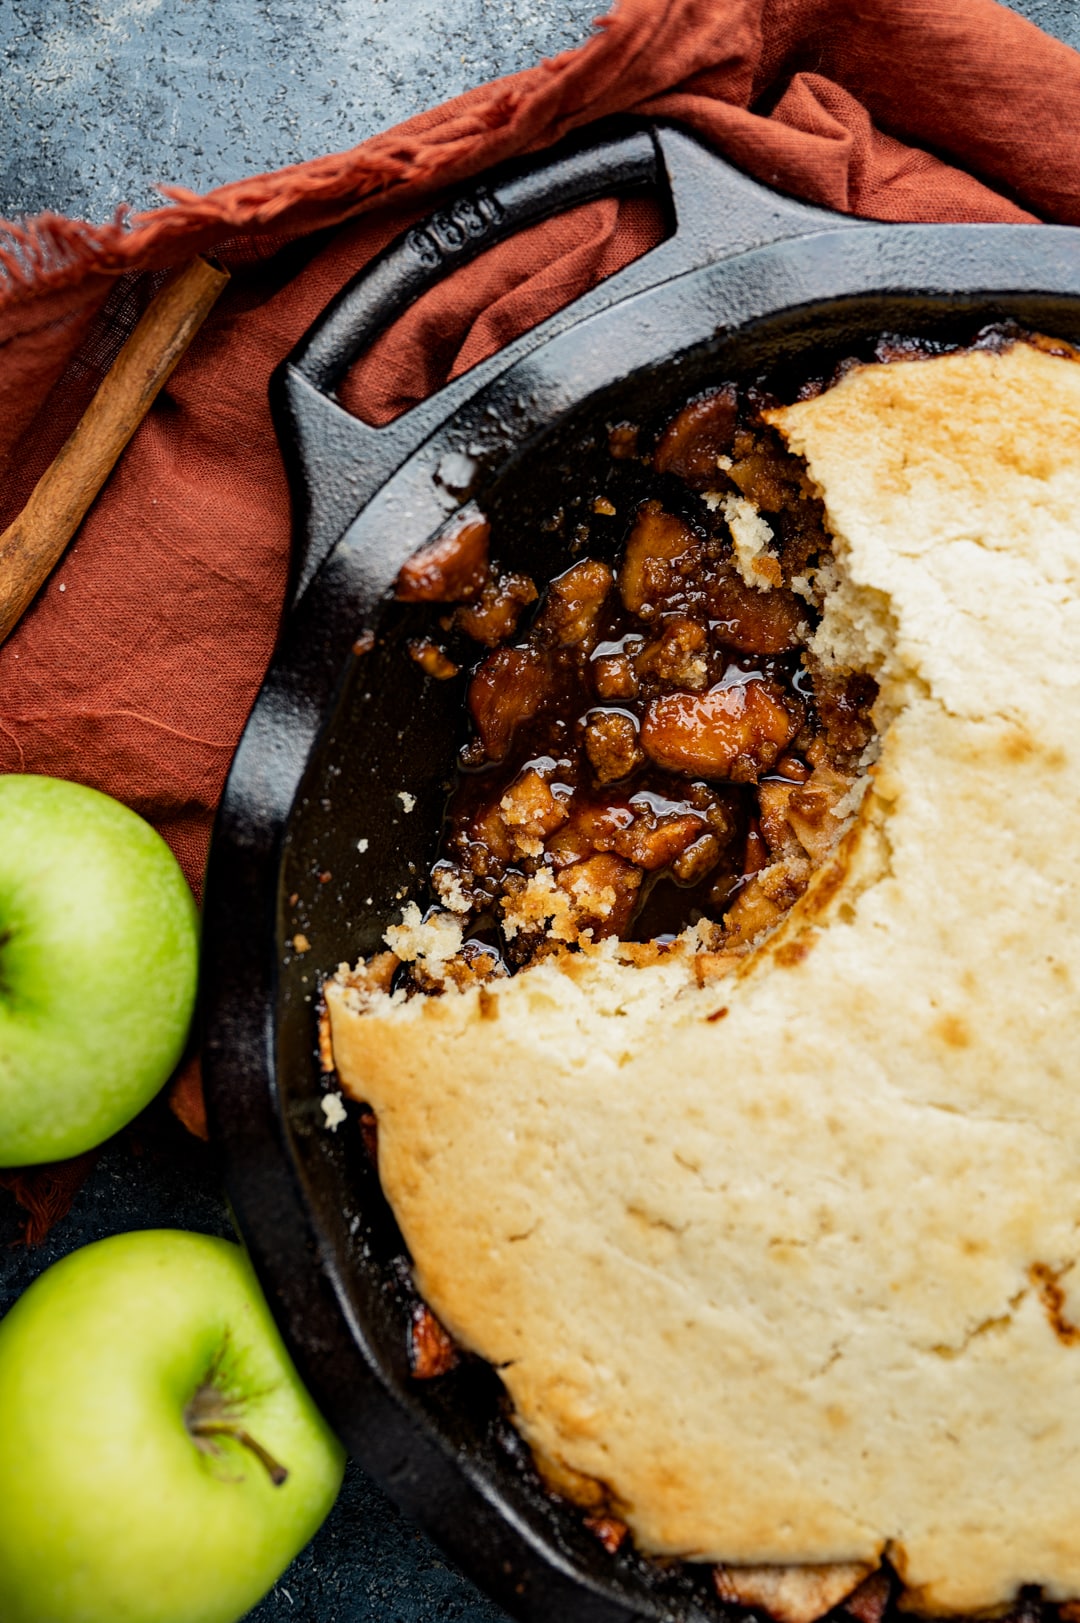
column 199, row 94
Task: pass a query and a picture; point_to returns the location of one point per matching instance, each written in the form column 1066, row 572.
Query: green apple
column 160, row 1461
column 98, row 963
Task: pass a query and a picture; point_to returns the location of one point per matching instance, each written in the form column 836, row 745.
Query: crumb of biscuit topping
column 370, row 979
column 539, row 905
column 326, row 1047
column 599, row 900
column 751, row 540
column 448, row 885
column 815, row 585
column 407, row 800
column 334, row 1111
column 849, row 803
column 301, row 943
column 434, row 940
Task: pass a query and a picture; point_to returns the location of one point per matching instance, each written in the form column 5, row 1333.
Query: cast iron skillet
column 747, row 282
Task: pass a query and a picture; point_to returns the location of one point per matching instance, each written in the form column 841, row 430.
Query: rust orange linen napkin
column 137, row 665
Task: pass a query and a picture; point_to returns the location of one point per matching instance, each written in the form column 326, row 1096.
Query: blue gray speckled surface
column 102, row 98
column 108, row 96
column 99, row 99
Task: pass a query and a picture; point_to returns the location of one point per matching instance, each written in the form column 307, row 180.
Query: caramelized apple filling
column 659, row 750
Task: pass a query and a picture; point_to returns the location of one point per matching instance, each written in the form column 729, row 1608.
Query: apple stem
column 224, row 1428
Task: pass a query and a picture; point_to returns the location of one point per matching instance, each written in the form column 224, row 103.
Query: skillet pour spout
column 314, row 839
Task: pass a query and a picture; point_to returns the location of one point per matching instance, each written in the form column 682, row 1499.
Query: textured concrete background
column 98, row 100
column 105, row 97
column 102, row 98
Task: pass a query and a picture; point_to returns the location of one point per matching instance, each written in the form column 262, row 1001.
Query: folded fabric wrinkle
column 891, row 109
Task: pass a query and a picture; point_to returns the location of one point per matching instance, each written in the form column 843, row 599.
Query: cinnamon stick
column 31, row 546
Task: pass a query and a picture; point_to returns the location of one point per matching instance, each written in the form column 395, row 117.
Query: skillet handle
column 620, row 162
column 336, row 463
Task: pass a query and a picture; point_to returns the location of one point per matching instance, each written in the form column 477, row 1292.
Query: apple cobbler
column 725, row 1082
